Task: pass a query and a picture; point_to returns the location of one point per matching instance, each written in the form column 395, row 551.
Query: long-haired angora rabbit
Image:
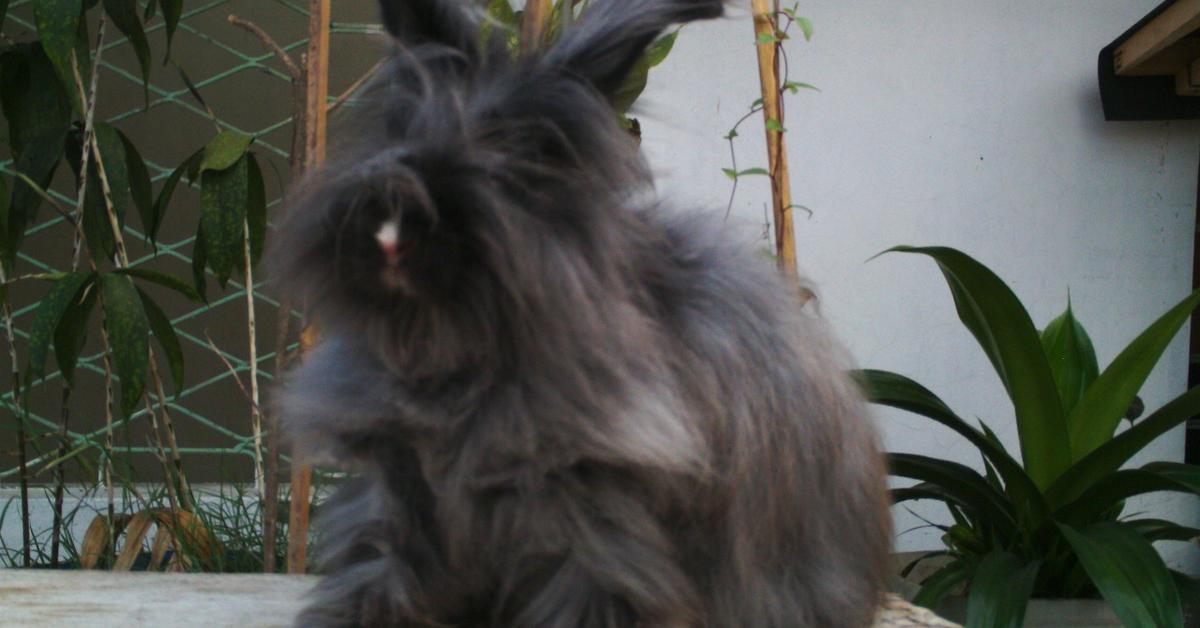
column 566, row 404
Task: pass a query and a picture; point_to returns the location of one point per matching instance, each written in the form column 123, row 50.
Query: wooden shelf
column 1152, row 71
column 1165, row 45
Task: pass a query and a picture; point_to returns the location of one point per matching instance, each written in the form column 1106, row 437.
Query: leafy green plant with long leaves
column 48, row 91
column 1051, row 525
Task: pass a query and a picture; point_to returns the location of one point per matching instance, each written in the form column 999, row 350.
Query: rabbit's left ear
column 450, row 22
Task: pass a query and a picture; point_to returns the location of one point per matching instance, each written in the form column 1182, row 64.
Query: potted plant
column 1052, row 524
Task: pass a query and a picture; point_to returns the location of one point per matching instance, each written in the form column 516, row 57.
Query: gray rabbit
column 566, row 403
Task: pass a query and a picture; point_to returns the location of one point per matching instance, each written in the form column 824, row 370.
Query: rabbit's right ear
column 453, row 23
column 613, row 34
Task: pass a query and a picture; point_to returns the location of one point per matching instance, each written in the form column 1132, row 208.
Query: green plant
column 1052, row 525
column 559, row 17
column 49, row 85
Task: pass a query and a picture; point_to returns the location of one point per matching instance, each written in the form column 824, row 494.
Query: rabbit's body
column 568, row 405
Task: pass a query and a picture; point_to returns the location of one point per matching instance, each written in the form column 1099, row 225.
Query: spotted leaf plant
column 1053, row 524
column 49, row 81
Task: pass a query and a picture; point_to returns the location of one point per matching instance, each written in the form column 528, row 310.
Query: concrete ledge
column 101, row 599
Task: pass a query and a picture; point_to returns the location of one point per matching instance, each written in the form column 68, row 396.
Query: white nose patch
column 388, row 235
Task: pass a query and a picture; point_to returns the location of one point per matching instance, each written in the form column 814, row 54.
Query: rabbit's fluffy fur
column 566, row 403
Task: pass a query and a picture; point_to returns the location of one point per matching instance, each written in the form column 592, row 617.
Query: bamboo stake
column 781, row 193
column 533, row 25
column 317, row 91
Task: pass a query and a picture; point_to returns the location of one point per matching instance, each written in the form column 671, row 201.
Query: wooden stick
column 781, row 193
column 317, row 89
column 533, row 25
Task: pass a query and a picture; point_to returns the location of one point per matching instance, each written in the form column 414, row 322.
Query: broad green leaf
column 33, row 98
column 200, row 262
column 1095, row 418
column 1162, row 530
column 224, row 150
column 926, row 490
column 1128, row 573
column 124, row 14
column 165, row 333
column 1112, row 455
column 658, row 51
column 795, row 86
column 502, row 12
column 635, row 84
column 960, row 481
column 256, row 210
column 96, row 224
column 1115, row 488
column 942, row 583
column 172, row 10
column 164, row 280
column 37, row 162
column 154, row 222
column 1189, row 591
column 1186, row 474
column 805, row 26
column 223, row 198
column 1001, row 325
column 897, row 391
column 1000, row 590
column 503, row 23
column 128, row 337
column 72, row 332
column 140, row 188
column 1072, row 357
column 61, row 297
column 5, row 246
column 918, row 560
column 58, row 28
column 116, row 169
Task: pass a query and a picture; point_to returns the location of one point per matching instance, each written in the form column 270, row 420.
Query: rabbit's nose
column 388, row 238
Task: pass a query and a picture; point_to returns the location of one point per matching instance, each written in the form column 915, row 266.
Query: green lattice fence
column 249, row 91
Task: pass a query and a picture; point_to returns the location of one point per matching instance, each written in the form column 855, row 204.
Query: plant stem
column 60, row 474
column 122, row 261
column 252, row 333
column 18, row 399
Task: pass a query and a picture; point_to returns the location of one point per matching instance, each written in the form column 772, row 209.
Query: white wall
column 970, row 124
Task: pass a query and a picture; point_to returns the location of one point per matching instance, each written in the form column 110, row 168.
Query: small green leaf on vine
column 766, row 39
column 805, row 26
column 774, row 125
column 734, row 174
column 793, row 86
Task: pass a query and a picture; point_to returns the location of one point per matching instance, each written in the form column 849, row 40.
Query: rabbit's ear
column 450, row 22
column 613, row 34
